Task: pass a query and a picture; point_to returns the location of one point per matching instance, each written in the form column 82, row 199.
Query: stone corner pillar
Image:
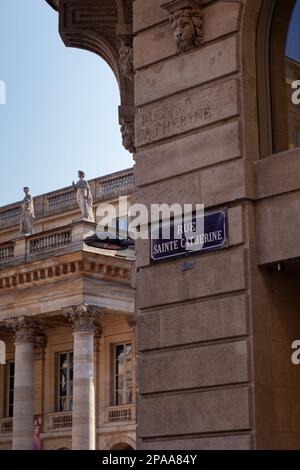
column 25, row 330
column 83, row 320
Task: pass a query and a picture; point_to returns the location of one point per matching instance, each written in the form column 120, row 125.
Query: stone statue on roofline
column 27, row 214
column 84, row 197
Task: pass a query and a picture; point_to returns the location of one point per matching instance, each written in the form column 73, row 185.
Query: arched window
column 279, row 71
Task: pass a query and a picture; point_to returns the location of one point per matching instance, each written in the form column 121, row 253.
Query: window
column 65, row 382
column 122, row 374
column 285, row 71
column 10, row 378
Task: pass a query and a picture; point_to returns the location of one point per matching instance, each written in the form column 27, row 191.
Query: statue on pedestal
column 27, row 214
column 84, row 197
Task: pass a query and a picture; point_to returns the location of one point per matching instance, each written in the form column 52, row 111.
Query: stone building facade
column 67, row 319
column 205, row 111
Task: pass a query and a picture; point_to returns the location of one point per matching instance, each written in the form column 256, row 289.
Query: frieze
column 45, row 274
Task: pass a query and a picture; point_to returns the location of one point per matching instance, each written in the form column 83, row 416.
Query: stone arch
column 94, row 42
column 263, row 76
column 121, row 442
column 249, row 85
column 102, row 27
column 256, row 105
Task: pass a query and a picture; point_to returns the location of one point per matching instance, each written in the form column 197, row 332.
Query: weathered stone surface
column 236, row 442
column 186, row 191
column 216, row 364
column 217, row 185
column 158, row 43
column 193, row 322
column 186, row 111
column 189, row 153
column 223, row 183
column 277, row 219
column 235, row 225
column 147, row 14
column 278, row 175
column 198, row 412
column 154, row 288
column 156, row 81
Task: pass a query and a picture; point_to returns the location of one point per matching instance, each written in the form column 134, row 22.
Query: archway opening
column 61, row 111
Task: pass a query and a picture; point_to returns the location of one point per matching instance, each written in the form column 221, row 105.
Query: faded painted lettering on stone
column 166, row 120
column 178, row 114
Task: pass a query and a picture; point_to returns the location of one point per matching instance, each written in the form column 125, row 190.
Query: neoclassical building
column 209, row 112
column 67, row 319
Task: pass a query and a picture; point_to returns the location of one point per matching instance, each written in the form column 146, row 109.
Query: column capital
column 84, row 318
column 25, row 329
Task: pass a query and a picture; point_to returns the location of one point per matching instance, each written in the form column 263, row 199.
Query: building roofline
column 62, row 200
column 65, row 188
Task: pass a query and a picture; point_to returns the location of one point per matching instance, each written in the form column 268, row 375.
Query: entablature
column 52, row 268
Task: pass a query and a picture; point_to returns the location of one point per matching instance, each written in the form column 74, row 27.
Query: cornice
column 99, row 266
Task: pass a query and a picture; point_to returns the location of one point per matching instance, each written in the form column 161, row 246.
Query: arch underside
column 99, row 26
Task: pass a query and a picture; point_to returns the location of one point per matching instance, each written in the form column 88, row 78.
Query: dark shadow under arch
column 122, row 446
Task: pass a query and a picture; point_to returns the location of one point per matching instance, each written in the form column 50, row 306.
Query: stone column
column 39, row 365
column 25, row 329
column 83, row 428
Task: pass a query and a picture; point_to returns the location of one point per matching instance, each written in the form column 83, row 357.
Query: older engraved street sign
column 213, row 236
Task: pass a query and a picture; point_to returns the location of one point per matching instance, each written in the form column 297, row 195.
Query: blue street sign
column 213, row 236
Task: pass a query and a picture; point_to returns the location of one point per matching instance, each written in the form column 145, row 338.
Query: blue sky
column 61, row 111
column 293, row 40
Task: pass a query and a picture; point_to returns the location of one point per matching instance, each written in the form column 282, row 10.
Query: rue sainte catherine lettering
column 188, row 243
column 186, row 238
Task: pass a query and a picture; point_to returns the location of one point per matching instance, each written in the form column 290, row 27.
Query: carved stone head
column 187, row 26
column 26, row 190
column 81, row 174
column 126, row 60
column 127, row 131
